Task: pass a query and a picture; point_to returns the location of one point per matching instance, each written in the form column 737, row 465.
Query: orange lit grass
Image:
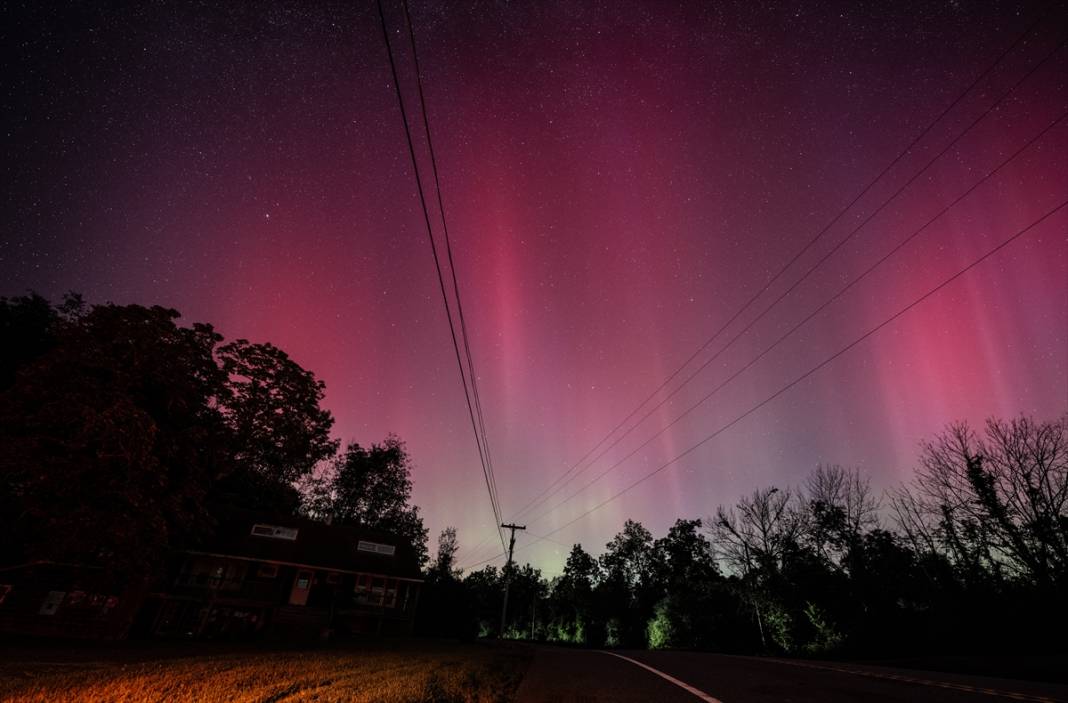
column 435, row 673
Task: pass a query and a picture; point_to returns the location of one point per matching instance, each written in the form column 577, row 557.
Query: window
column 275, row 532
column 213, row 573
column 369, row 590
column 376, row 591
column 376, row 548
column 267, row 571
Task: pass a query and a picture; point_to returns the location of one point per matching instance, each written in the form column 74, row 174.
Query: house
column 287, row 577
column 257, row 576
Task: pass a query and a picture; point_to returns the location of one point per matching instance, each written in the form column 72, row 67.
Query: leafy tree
column 581, row 571
column 628, row 589
column 444, row 565
column 629, row 557
column 890, row 595
column 689, row 582
column 827, row 637
column 486, row 590
column 272, row 407
column 446, row 607
column 526, row 590
column 371, row 487
column 661, row 631
column 573, row 616
column 110, row 439
column 119, row 427
column 28, row 327
column 684, row 556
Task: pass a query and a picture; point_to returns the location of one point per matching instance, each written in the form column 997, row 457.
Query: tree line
column 124, row 434
column 970, row 556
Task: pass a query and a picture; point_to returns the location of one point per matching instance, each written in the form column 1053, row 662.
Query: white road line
column 909, row 679
column 681, row 684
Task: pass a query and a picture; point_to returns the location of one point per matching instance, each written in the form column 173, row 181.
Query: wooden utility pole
column 508, row 572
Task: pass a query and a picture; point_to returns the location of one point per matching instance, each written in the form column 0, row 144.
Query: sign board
column 275, row 532
column 376, row 548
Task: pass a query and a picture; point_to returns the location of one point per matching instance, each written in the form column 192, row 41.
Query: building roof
column 313, row 544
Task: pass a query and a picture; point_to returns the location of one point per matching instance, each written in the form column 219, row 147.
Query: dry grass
column 407, row 672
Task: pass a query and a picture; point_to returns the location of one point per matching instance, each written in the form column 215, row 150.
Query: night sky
column 619, row 178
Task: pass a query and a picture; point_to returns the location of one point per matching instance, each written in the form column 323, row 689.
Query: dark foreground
column 579, row 676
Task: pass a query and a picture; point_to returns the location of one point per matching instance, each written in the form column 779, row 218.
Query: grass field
column 398, row 672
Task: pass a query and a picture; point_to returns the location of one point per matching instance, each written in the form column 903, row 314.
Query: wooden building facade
column 257, row 577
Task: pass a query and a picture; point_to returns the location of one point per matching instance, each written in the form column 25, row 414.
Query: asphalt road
column 560, row 675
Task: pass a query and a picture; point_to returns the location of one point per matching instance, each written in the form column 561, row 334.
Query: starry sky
column 619, row 178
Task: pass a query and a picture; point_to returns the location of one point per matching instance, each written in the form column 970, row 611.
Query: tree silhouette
column 573, row 617
column 995, row 503
column 111, row 439
column 371, row 487
column 120, row 429
column 444, row 565
column 272, row 408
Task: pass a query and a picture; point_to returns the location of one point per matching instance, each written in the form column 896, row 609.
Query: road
column 560, row 675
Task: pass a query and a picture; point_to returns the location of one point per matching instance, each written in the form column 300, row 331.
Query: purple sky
column 619, row 178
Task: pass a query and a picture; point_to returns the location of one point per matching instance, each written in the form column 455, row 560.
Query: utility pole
column 533, row 615
column 508, row 572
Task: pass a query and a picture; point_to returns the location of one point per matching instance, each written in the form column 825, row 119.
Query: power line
column 473, row 376
column 816, row 311
column 489, row 559
column 539, row 538
column 815, row 368
column 548, row 492
column 472, row 551
column 794, row 259
column 437, row 264
column 448, row 247
column 809, row 272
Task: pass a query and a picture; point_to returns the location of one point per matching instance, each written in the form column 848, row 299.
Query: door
column 301, row 586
